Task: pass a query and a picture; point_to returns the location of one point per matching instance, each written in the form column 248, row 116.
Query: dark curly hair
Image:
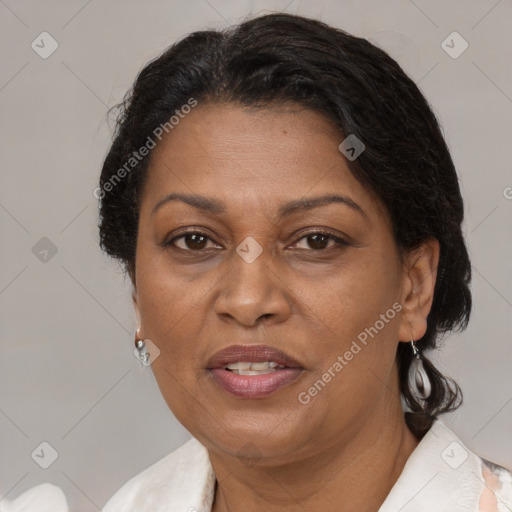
column 281, row 58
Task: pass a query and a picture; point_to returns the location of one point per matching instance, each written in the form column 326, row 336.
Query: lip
column 252, row 353
column 253, row 386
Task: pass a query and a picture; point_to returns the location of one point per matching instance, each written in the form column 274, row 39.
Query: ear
column 419, row 280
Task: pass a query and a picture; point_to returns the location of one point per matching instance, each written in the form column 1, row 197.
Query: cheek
column 170, row 311
column 356, row 317
column 170, row 307
column 353, row 298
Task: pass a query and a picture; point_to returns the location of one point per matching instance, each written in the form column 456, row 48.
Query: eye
column 191, row 241
column 319, row 240
column 196, row 241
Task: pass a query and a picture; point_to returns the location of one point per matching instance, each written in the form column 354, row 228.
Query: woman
column 284, row 203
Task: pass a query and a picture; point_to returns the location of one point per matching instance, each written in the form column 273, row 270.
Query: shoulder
column 42, row 498
column 491, row 483
column 497, row 493
column 444, row 474
column 184, row 478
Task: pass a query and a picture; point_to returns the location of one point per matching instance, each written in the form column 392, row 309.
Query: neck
column 358, row 474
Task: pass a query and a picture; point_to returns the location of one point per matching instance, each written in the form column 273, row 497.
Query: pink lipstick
column 253, row 371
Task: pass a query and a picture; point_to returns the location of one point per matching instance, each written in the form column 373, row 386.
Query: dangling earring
column 141, row 352
column 419, row 382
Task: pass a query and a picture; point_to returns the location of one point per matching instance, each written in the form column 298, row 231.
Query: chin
column 246, row 436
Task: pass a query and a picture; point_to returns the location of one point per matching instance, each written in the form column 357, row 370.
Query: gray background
column 68, row 376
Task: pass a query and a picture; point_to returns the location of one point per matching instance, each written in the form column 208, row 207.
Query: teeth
column 254, row 372
column 249, row 368
column 239, row 366
column 262, row 366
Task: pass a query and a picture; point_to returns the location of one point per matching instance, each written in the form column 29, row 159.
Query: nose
column 253, row 292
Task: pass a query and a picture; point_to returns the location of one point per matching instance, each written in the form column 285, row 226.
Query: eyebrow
column 218, row 207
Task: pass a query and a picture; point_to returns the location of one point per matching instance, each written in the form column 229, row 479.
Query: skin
column 307, row 297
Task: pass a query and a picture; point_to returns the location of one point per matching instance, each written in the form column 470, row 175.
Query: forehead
column 265, row 155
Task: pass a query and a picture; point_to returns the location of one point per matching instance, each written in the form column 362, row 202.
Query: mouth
column 253, row 368
column 253, row 371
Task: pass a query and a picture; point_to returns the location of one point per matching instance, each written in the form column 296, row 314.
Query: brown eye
column 195, row 241
column 191, row 241
column 319, row 241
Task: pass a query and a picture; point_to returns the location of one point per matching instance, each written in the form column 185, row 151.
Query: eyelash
column 339, row 241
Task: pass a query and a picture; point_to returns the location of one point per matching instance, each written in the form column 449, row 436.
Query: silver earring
column 419, row 382
column 141, row 352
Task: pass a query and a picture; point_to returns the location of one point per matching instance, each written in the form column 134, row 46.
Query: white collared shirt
column 440, row 475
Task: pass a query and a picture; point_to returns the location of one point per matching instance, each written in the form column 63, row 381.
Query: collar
column 441, row 474
column 183, row 480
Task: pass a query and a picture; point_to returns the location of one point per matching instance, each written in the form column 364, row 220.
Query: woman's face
column 273, row 265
